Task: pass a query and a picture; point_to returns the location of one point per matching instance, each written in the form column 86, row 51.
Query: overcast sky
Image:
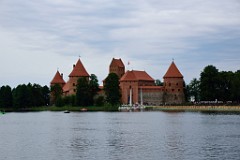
column 37, row 37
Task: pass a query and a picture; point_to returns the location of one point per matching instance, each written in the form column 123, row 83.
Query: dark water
column 131, row 136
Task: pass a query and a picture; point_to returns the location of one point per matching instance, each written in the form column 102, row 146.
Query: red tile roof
column 117, row 62
column 58, row 79
column 66, row 87
column 79, row 70
column 173, row 72
column 136, row 76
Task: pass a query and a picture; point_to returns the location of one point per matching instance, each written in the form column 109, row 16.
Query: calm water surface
column 131, row 136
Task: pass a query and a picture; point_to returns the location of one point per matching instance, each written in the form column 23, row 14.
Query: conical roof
column 79, row 70
column 136, row 76
column 173, row 72
column 57, row 79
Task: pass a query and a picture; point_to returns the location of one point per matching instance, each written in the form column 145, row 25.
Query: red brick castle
column 137, row 87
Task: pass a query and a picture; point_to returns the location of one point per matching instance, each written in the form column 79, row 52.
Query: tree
column 69, row 100
column 56, row 92
column 82, row 94
column 235, row 87
column 193, row 89
column 158, row 82
column 45, row 95
column 224, row 85
column 99, row 100
column 93, row 88
column 112, row 89
column 36, row 94
column 6, row 98
column 21, row 96
column 209, row 83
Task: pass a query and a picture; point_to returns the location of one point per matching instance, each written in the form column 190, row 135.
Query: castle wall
column 151, row 97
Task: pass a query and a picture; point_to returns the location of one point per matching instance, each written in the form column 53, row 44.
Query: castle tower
column 117, row 67
column 174, row 85
column 58, row 79
column 77, row 72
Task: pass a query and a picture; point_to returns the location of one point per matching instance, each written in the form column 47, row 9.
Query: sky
column 39, row 37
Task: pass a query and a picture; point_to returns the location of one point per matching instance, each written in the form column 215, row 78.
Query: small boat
column 83, row 109
column 67, row 111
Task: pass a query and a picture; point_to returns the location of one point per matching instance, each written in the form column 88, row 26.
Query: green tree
column 69, row 100
column 82, row 94
column 209, row 83
column 6, row 98
column 99, row 100
column 224, row 85
column 93, row 88
column 235, row 87
column 112, row 89
column 45, row 95
column 21, row 96
column 59, row 102
column 158, row 82
column 193, row 89
column 56, row 92
column 36, row 95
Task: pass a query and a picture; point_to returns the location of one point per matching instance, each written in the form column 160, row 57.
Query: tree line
column 87, row 94
column 215, row 85
column 24, row 96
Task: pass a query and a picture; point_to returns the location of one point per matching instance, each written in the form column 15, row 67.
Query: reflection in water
column 100, row 135
column 174, row 146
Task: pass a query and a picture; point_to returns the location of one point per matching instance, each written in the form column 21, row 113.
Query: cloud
column 149, row 33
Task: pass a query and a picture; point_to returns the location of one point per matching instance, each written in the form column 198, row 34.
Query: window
column 179, row 90
column 172, row 90
column 73, row 84
column 169, row 84
column 177, row 84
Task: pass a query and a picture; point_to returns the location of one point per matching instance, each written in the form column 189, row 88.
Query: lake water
column 119, row 135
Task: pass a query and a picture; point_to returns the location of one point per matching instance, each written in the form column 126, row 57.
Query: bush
column 99, row 101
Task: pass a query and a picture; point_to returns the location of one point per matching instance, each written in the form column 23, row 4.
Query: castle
column 137, row 87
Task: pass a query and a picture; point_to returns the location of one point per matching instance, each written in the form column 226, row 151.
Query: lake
column 119, row 135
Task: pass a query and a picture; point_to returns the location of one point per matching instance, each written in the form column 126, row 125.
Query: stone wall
column 151, row 98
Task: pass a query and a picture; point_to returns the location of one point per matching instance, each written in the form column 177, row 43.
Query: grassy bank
column 54, row 108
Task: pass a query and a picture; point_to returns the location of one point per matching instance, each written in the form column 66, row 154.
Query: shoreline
column 211, row 108
column 183, row 108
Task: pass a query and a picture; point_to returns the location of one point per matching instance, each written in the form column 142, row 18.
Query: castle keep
column 137, row 87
